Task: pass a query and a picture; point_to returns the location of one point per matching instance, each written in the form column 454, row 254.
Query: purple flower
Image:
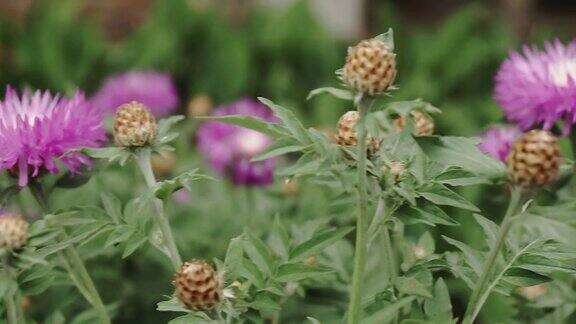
column 230, row 148
column 153, row 89
column 37, row 129
column 538, row 88
column 497, row 141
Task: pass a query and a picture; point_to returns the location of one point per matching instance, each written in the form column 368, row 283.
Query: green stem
column 143, row 160
column 475, row 304
column 73, row 262
column 389, row 251
column 361, row 221
column 13, row 312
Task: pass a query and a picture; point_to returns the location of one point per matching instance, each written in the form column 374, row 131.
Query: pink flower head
column 230, row 148
column 537, row 88
column 497, row 141
column 153, row 89
column 37, row 129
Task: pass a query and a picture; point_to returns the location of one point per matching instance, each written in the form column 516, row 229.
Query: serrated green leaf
column 389, row 311
column 459, row 177
column 439, row 308
column 473, row 257
column 264, row 302
column 318, row 243
column 258, row 252
column 299, row 271
column 234, row 256
column 412, row 287
column 489, row 227
column 290, row 121
column 461, row 152
column 440, row 195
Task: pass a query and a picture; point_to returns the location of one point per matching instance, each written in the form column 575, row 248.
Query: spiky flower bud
column 534, row 159
column 199, row 105
column 134, row 125
column 396, row 168
column 370, row 67
column 13, row 232
column 423, row 125
column 198, row 286
column 163, row 163
column 346, row 133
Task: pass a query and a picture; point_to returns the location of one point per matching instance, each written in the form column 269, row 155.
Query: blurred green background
column 448, row 52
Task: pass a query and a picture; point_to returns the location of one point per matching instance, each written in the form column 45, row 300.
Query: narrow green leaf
column 318, row 243
column 258, row 252
column 335, row 92
column 299, row 271
column 524, row 278
column 253, row 123
column 440, row 195
column 389, row 311
column 290, row 121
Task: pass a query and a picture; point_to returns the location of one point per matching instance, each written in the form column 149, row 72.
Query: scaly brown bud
column 396, row 168
column 163, row 163
column 346, row 134
column 134, row 125
column 199, row 105
column 423, row 125
column 370, row 67
column 534, row 159
column 198, row 286
column 290, row 187
column 13, row 232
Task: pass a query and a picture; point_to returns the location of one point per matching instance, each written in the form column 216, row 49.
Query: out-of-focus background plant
column 221, row 51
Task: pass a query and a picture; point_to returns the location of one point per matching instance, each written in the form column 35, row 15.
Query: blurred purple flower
column 538, row 88
column 230, row 148
column 153, row 89
column 497, row 141
column 36, row 129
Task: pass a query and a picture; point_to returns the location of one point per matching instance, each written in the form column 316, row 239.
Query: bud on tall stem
column 361, row 221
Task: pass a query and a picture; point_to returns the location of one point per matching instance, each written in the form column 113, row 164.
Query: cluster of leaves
column 261, row 275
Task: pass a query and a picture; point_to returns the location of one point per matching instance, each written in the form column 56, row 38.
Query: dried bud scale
column 423, row 125
column 163, row 163
column 534, row 159
column 13, row 232
column 346, row 133
column 199, row 105
column 198, row 285
column 370, row 67
column 134, row 126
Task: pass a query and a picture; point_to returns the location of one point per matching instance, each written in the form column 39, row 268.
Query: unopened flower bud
column 290, row 187
column 346, row 133
column 533, row 292
column 396, row 168
column 370, row 67
column 198, row 286
column 199, row 105
column 163, row 163
column 534, row 159
column 423, row 125
column 134, row 126
column 311, row 261
column 13, row 232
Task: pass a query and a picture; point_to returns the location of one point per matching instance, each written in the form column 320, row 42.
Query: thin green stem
column 389, row 251
column 73, row 262
column 361, row 220
column 475, row 304
column 143, row 160
column 13, row 312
